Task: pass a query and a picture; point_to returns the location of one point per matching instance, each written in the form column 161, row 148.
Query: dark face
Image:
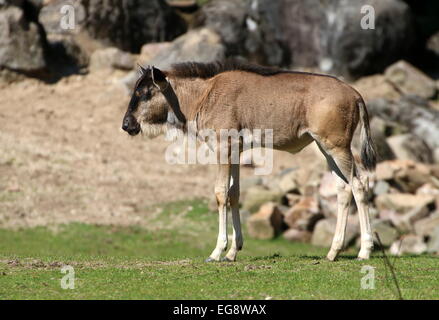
column 141, row 92
column 148, row 109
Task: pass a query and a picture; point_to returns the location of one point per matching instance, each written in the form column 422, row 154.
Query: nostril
column 125, row 124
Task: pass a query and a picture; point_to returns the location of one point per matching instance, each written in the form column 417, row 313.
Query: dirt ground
column 64, row 158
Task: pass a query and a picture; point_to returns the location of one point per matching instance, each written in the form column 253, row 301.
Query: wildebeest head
column 148, row 110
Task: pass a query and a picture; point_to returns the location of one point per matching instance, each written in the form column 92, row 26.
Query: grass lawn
column 165, row 261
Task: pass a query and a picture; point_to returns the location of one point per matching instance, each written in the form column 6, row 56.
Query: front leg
column 221, row 193
column 237, row 240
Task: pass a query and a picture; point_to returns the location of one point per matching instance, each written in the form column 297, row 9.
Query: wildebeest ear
column 142, row 69
column 158, row 77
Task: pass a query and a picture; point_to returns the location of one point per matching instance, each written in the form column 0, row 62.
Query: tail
column 368, row 152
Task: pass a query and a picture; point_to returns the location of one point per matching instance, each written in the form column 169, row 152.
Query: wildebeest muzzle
column 130, row 125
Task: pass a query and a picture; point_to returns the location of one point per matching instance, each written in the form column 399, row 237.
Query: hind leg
column 360, row 188
column 341, row 164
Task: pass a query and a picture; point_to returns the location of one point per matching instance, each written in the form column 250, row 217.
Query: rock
column 381, row 187
column 410, row 147
column 324, row 232
column 329, row 206
column 295, row 235
column 410, row 80
column 279, row 33
column 376, row 86
column 257, row 195
column 151, row 50
column 410, row 244
column 401, row 169
column 21, row 44
column 287, row 181
column 402, row 202
column 111, row 58
column 328, row 185
column 405, row 223
column 339, row 45
column 266, row 223
column 414, row 114
column 304, row 214
column 227, row 19
column 426, row 226
column 291, row 199
column 433, row 242
column 385, row 231
column 201, row 45
column 125, row 24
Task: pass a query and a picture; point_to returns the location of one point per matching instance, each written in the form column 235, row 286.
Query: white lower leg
column 359, row 191
column 236, row 222
column 344, row 196
column 221, row 242
column 237, row 240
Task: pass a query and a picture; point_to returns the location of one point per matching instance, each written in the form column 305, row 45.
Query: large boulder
column 313, row 33
column 21, row 43
column 111, row 58
column 403, row 202
column 410, row 147
column 410, row 80
column 201, row 45
column 126, row 24
column 410, row 244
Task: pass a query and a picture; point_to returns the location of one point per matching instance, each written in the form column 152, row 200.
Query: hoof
column 225, row 259
column 210, row 260
column 332, row 256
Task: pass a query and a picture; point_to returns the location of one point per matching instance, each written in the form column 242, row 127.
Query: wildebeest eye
column 145, row 95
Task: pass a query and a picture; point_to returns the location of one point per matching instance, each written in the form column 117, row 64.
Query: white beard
column 154, row 130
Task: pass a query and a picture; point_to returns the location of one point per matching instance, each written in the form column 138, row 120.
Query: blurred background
column 67, row 68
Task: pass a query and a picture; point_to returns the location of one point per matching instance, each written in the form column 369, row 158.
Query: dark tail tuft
column 368, row 153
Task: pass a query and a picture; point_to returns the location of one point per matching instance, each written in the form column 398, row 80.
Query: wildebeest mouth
column 134, row 131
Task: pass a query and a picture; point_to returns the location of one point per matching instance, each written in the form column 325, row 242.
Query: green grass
column 165, row 261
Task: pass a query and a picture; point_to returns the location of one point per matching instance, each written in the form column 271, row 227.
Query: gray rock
column 410, row 80
column 410, row 147
column 324, row 232
column 201, row 45
column 402, row 202
column 426, row 226
column 381, row 187
column 386, row 232
column 21, row 47
column 433, row 242
column 111, row 58
column 411, row 244
column 414, row 114
column 126, row 24
column 258, row 195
